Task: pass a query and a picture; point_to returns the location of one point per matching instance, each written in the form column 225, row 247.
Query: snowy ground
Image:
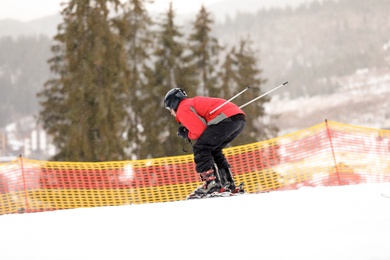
column 349, row 222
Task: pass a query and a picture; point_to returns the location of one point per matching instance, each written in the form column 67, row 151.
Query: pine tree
column 248, row 74
column 84, row 107
column 205, row 51
column 171, row 69
column 240, row 70
column 228, row 76
column 139, row 37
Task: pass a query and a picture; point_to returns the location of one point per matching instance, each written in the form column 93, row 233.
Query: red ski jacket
column 194, row 113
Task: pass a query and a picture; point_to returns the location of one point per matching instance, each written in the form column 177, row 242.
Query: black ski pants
column 208, row 148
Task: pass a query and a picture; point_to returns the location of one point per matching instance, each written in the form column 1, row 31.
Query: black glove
column 182, row 131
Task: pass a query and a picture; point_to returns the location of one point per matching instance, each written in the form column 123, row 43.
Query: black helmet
column 173, row 98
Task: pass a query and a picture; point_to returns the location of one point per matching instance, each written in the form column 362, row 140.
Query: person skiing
column 212, row 123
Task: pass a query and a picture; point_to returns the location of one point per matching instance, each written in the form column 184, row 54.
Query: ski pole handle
column 227, row 101
column 272, row 90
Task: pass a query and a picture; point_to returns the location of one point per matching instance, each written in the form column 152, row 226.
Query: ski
column 224, row 192
column 215, row 195
column 385, row 195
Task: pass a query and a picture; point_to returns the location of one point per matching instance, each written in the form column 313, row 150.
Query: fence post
column 334, row 156
column 24, row 183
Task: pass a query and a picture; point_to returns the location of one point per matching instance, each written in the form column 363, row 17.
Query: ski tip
column 385, row 195
column 285, row 83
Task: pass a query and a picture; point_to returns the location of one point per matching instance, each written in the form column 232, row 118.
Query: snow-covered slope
column 363, row 100
column 348, row 222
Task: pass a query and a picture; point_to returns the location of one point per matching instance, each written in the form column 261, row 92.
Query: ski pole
column 253, row 100
column 227, row 101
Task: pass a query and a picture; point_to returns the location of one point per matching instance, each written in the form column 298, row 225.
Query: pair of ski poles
column 244, row 105
column 249, row 102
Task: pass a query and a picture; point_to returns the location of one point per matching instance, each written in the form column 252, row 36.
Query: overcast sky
column 26, row 10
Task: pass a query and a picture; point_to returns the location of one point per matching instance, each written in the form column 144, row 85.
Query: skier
column 212, row 131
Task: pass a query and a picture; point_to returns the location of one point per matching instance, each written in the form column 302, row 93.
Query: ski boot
column 227, row 179
column 210, row 185
column 228, row 182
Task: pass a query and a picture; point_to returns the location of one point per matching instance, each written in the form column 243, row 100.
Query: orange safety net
column 326, row 154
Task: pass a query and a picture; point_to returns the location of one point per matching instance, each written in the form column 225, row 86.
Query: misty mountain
column 313, row 43
column 44, row 26
column 232, row 8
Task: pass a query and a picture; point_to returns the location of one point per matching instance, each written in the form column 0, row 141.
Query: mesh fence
column 326, row 154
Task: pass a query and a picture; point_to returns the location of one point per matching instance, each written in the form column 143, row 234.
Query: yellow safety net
column 326, row 154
